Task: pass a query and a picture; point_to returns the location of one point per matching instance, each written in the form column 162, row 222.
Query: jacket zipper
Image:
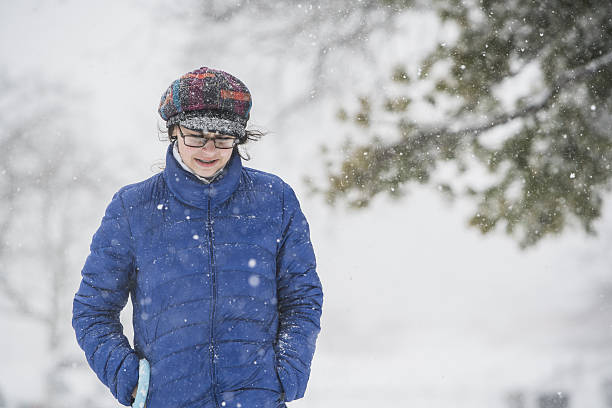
column 213, row 376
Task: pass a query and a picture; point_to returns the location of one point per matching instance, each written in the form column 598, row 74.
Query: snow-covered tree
column 523, row 89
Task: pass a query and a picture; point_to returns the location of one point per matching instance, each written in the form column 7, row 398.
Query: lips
column 206, row 163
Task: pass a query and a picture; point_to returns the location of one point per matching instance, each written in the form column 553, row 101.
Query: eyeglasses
column 220, row 142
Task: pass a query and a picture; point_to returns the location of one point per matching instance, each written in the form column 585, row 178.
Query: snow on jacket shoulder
column 223, row 281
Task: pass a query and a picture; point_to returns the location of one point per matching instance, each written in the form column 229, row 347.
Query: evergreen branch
column 567, row 77
column 587, row 69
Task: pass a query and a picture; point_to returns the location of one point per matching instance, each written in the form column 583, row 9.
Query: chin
column 207, row 174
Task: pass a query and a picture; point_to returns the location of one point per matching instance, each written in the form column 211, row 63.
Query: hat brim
column 208, row 123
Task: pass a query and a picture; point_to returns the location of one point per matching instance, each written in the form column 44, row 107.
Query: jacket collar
column 187, row 188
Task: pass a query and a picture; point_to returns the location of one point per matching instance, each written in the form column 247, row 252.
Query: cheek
column 186, row 154
column 226, row 155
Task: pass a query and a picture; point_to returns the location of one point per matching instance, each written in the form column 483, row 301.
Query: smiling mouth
column 205, row 162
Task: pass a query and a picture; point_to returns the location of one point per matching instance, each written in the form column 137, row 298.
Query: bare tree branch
column 19, row 302
column 354, row 38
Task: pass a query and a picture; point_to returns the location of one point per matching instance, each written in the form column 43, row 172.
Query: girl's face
column 204, row 161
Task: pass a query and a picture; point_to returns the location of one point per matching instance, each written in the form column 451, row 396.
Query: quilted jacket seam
column 283, row 212
column 127, row 220
column 116, row 376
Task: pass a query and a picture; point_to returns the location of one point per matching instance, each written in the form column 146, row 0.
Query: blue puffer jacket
column 226, row 298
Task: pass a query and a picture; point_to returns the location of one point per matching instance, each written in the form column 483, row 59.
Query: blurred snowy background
column 421, row 309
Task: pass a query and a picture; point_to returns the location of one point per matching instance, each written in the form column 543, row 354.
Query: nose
column 209, row 144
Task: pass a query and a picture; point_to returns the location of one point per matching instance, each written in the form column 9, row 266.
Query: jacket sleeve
column 300, row 298
column 103, row 293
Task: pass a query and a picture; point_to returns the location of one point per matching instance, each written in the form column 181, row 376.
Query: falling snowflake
column 254, row 280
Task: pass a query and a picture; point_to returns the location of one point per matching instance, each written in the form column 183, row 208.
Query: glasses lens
column 224, row 142
column 220, row 142
column 194, row 141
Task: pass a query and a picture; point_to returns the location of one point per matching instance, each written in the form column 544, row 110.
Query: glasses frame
column 214, row 139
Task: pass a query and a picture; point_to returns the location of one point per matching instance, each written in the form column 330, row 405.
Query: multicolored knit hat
column 207, row 99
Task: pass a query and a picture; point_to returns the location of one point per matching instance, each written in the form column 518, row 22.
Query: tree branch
column 350, row 38
column 587, row 69
column 18, row 301
column 425, row 136
column 558, row 85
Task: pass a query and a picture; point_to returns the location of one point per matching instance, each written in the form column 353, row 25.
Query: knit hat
column 207, row 99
